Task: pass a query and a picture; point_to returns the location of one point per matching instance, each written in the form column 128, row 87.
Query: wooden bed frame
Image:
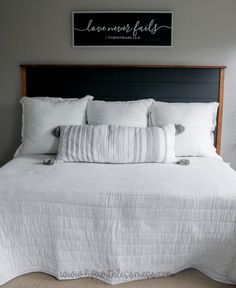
column 170, row 83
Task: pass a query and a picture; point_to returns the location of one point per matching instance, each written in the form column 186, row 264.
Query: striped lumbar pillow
column 116, row 144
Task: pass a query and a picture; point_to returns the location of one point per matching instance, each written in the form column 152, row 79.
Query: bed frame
column 128, row 82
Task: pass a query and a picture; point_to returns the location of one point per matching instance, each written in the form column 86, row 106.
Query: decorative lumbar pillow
column 117, row 144
column 42, row 115
column 126, row 113
column 199, row 120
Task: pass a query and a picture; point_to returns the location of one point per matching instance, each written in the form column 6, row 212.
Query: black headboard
column 129, row 82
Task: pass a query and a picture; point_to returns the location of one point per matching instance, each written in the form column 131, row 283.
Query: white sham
column 120, row 113
column 41, row 115
column 199, row 120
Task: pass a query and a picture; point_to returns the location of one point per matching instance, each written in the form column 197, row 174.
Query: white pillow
column 126, row 113
column 199, row 120
column 41, row 115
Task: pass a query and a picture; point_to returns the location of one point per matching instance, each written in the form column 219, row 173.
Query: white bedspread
column 117, row 222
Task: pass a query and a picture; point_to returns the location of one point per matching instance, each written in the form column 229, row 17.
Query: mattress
column 117, row 223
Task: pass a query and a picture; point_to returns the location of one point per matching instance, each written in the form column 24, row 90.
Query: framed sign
column 122, row 28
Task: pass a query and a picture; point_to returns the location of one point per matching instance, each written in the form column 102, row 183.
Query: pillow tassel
column 49, row 162
column 183, row 162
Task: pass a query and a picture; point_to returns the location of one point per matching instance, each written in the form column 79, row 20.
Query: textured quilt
column 117, row 222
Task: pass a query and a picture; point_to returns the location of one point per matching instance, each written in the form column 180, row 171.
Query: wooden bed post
column 23, row 81
column 220, row 112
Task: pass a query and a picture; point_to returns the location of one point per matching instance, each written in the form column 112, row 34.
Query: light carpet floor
column 185, row 279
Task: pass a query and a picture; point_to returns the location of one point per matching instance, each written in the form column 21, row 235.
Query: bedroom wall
column 40, row 32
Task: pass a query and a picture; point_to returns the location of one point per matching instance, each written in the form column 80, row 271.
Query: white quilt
column 117, row 222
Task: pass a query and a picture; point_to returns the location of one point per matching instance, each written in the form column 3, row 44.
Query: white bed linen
column 70, row 219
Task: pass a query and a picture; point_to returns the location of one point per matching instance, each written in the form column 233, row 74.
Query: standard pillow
column 199, row 120
column 127, row 113
column 41, row 116
column 116, row 144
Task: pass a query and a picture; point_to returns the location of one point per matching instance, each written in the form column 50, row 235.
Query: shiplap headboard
column 128, row 82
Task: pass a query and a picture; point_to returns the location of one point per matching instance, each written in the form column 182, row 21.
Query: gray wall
column 34, row 31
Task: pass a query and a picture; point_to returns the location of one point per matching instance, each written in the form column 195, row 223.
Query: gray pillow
column 116, row 144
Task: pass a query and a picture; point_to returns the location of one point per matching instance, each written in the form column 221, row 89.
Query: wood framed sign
column 122, row 28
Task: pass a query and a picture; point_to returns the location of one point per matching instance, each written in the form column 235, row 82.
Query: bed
column 123, row 222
